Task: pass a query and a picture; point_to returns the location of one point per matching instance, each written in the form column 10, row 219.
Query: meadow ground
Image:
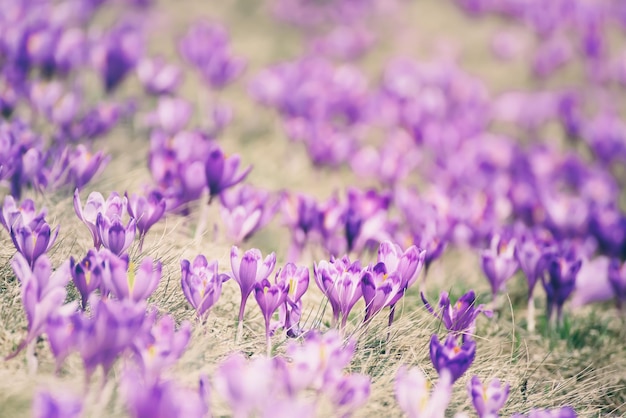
column 583, row 364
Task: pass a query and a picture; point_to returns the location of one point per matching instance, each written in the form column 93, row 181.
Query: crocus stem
column 392, row 314
column 268, row 339
column 242, row 309
column 530, row 313
column 202, row 221
column 31, row 358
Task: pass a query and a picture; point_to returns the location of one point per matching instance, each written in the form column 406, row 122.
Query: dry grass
column 583, row 365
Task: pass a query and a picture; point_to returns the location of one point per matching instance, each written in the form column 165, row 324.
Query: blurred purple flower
column 56, row 405
column 414, row 395
column 302, row 217
column 349, row 393
column 487, row 399
column 161, row 348
column 222, row 171
column 127, row 281
column 162, row 399
column 452, row 357
column 159, row 77
column 109, row 331
column 499, row 263
column 146, row 211
column 42, row 290
column 245, row 210
column 201, row 284
column 593, row 283
column 116, row 54
column 459, row 318
column 559, row 280
column 206, row 46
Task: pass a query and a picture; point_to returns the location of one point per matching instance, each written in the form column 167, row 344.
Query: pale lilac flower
column 247, row 386
column 127, row 281
column 56, row 405
column 109, row 331
column 42, row 290
column 95, row 205
column 487, row 399
column 158, row 77
column 318, row 361
column 563, row 412
column 146, row 211
column 114, row 236
column 241, row 222
column 340, row 281
column 593, row 283
column 499, row 263
column 248, row 271
column 163, row 398
column 34, row 239
column 349, row 393
column 201, row 284
column 161, row 348
column 414, row 396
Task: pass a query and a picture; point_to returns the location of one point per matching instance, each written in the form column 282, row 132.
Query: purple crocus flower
column 302, row 216
column 407, row 264
column 241, row 222
column 146, row 211
column 43, row 292
column 116, row 54
column 248, row 271
column 163, row 398
column 459, row 318
column 34, row 239
column 56, row 405
column 113, row 234
column 559, row 281
column 206, row 46
column 269, row 297
column 245, row 210
column 109, row 331
column 26, row 211
column 449, row 356
column 95, row 205
column 125, row 281
column 172, row 114
column 349, row 393
column 201, row 284
column 487, row 399
column 318, row 361
column 222, row 171
column 87, row 275
column 617, row 279
column 62, row 328
column 84, row 166
column 499, row 263
column 158, row 77
column 379, row 289
column 340, row 281
column 414, row 395
column 246, row 386
column 161, row 348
